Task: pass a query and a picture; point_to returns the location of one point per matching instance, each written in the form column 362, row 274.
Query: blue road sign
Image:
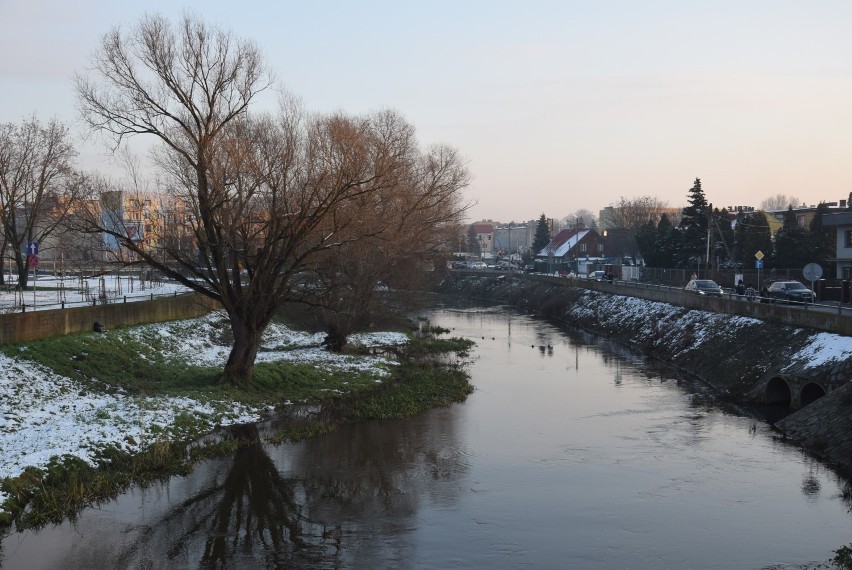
column 758, row 264
column 32, row 247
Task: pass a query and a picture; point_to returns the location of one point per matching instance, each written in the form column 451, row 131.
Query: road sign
column 32, row 260
column 759, row 255
column 32, row 247
column 812, row 271
column 758, row 264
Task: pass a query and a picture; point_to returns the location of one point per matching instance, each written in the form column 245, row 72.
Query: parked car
column 597, row 275
column 477, row 265
column 704, row 287
column 790, row 292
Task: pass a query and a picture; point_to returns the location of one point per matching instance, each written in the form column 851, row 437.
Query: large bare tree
column 630, row 213
column 624, row 219
column 399, row 232
column 779, row 202
column 37, row 185
column 259, row 198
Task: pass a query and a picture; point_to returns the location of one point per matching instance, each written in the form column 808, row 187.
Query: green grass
column 118, row 360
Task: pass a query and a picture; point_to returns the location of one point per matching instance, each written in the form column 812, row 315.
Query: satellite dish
column 812, row 271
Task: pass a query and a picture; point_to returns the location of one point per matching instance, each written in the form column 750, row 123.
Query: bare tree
column 37, row 185
column 779, row 202
column 623, row 220
column 264, row 197
column 405, row 227
column 581, row 219
column 630, row 214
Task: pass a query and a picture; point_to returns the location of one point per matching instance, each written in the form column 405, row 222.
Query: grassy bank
column 141, row 363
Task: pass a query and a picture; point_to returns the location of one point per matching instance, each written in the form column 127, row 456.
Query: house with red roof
column 570, row 245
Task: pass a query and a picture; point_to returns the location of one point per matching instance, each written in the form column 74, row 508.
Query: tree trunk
column 22, row 269
column 335, row 339
column 240, row 365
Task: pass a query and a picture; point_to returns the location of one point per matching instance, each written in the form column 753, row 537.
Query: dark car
column 790, row 292
column 704, row 287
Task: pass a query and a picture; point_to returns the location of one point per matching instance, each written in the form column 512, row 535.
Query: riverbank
column 129, row 401
column 736, row 355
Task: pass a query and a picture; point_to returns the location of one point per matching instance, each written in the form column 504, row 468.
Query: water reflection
column 343, row 500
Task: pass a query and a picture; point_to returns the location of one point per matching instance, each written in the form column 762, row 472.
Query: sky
column 557, row 106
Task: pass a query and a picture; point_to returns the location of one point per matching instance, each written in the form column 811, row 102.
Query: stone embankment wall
column 738, row 355
column 23, row 327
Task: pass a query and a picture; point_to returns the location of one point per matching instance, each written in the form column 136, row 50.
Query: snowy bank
column 43, row 415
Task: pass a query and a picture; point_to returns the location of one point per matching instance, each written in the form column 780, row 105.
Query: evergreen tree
column 724, row 235
column 542, row 235
column 791, row 243
column 693, row 223
column 753, row 235
column 822, row 241
column 473, row 246
column 669, row 243
column 646, row 241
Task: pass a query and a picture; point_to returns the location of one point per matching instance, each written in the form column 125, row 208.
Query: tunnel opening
column 778, row 392
column 811, row 392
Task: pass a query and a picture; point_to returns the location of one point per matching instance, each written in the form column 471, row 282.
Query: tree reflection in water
column 342, row 500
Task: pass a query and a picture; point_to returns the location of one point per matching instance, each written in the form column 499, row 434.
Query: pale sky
column 556, row 105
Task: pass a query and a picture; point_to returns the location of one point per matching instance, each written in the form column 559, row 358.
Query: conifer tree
column 822, row 241
column 791, row 243
column 753, row 235
column 669, row 243
column 473, row 246
column 542, row 235
column 646, row 241
column 693, row 223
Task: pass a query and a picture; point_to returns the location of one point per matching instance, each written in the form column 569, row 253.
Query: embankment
column 744, row 358
column 35, row 325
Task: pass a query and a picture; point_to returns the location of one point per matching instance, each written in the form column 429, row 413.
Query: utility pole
column 711, row 238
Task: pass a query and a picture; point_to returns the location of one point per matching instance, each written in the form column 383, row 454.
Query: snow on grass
column 665, row 324
column 825, row 348
column 43, row 414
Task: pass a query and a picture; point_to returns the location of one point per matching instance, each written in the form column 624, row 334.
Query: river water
column 571, row 453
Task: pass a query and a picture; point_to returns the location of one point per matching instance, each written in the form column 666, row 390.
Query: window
column 600, row 248
column 848, row 238
column 583, row 247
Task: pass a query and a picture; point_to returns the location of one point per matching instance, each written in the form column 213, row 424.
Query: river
column 571, row 453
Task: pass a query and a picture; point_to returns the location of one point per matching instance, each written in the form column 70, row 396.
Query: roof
column 563, row 242
column 841, row 219
column 483, row 228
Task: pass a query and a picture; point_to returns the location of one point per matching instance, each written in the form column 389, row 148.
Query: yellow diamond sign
column 759, row 255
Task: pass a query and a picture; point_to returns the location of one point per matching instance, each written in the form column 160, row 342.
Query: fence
column 836, row 318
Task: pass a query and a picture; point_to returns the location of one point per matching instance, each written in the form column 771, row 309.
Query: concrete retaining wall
column 35, row 325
